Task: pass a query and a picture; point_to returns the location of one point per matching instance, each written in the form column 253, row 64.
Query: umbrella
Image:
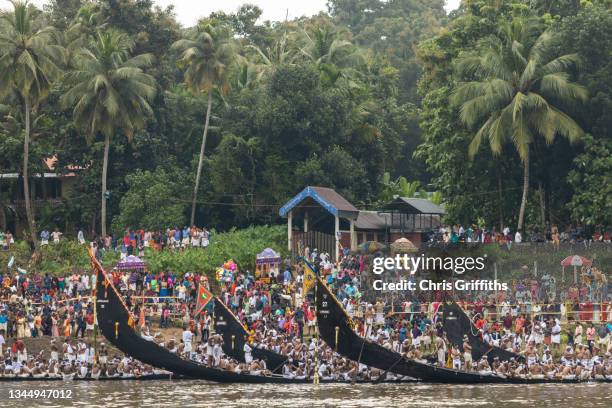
column 575, row 261
column 131, row 262
column 404, row 245
column 371, row 247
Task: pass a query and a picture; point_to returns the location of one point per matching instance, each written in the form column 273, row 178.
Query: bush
column 242, row 246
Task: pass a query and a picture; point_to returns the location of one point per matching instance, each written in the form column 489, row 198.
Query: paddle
column 384, row 375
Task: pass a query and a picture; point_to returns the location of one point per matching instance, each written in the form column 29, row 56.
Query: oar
column 384, row 375
column 361, row 351
column 359, row 359
column 280, row 365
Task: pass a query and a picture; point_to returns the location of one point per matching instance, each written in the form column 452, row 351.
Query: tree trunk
column 2, row 217
column 104, row 173
column 521, row 219
column 547, row 203
column 542, row 195
column 201, row 161
column 93, row 224
column 26, row 175
column 501, row 201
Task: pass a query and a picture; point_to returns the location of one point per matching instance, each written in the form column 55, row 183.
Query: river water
column 185, row 393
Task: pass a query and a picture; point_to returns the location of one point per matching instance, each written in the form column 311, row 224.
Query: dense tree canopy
column 368, row 98
column 495, row 180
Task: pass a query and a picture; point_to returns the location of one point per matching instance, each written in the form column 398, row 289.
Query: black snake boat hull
column 335, row 329
column 457, row 324
column 235, row 336
column 113, row 321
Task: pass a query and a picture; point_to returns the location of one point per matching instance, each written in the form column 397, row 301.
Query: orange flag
column 142, row 316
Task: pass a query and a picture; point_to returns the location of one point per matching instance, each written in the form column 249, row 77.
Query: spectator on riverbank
column 481, row 234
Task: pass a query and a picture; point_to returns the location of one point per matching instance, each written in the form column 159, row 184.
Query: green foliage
column 334, row 168
column 515, row 89
column 66, row 257
column 240, row 245
column 329, row 99
column 591, row 178
column 397, row 188
column 401, row 187
column 232, row 167
column 391, row 31
column 494, row 182
column 153, row 201
column 30, row 56
column 518, row 79
column 108, row 88
column 206, row 55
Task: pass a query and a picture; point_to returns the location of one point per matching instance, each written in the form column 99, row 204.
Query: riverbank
column 68, row 256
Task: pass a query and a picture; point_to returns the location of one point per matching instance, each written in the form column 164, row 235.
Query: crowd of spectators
column 40, row 305
column 550, row 234
column 130, row 243
column 32, row 305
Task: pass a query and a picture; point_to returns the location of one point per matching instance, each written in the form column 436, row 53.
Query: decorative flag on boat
column 310, row 278
column 204, row 296
column 142, row 318
column 436, row 308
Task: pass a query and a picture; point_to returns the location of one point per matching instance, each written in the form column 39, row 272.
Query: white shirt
column 187, row 336
column 247, row 353
column 518, row 237
column 217, row 351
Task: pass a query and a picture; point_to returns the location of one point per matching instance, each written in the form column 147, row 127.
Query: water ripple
column 186, row 394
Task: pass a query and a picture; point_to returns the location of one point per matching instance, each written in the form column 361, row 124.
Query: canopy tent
column 268, row 264
column 268, row 255
column 131, row 263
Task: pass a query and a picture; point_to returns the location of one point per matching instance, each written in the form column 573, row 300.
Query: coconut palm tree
column 30, row 60
column 109, row 92
column 517, row 93
column 324, row 46
column 83, row 29
column 338, row 60
column 279, row 53
column 206, row 56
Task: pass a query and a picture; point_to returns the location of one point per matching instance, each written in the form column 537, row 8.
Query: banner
column 310, row 278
